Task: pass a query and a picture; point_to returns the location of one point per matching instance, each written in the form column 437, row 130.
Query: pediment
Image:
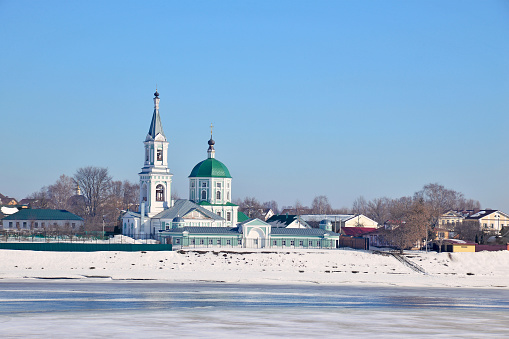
column 195, row 214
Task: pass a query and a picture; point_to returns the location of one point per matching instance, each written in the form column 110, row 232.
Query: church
column 208, row 217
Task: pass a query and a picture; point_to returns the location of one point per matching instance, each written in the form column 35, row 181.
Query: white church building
column 208, row 217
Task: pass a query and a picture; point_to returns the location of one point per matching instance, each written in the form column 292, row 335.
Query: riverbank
column 331, row 267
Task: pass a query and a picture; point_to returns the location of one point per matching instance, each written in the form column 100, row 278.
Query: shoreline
column 343, row 267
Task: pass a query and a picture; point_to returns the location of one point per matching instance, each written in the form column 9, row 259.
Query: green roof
column 42, row 214
column 241, row 217
column 206, row 203
column 210, row 168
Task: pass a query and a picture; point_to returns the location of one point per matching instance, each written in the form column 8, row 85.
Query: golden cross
column 211, row 127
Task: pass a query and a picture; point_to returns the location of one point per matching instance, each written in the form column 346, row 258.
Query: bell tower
column 155, row 176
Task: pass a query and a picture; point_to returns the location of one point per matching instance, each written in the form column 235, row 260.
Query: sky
column 335, row 98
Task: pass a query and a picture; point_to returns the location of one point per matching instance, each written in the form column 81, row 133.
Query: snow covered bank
column 480, row 270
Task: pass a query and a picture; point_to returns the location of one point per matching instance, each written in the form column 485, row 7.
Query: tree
column 468, row 230
column 321, row 205
column 413, row 229
column 61, row 191
column 94, row 183
column 360, row 206
column 378, row 210
column 250, row 206
column 272, row 205
column 439, row 200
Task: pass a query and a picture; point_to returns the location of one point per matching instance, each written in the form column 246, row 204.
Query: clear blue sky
column 340, row 98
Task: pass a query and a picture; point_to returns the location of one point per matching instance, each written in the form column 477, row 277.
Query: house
column 341, row 220
column 450, row 219
column 42, row 219
column 453, row 245
column 490, row 221
column 266, row 213
column 288, row 221
column 253, row 233
column 5, row 200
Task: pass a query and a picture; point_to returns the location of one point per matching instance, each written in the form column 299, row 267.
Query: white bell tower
column 155, row 176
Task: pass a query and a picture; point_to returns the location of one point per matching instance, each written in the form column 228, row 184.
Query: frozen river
column 63, row 309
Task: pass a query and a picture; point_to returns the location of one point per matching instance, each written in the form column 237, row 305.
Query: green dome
column 210, row 168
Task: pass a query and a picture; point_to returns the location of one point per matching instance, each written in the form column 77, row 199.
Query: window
column 159, row 155
column 227, row 195
column 177, row 241
column 301, row 243
column 146, row 154
column 228, row 242
column 36, row 224
column 73, row 225
column 219, row 213
column 485, row 225
column 192, row 241
column 218, row 185
column 210, row 242
column 168, row 226
column 229, row 216
column 10, row 224
column 274, row 242
column 25, row 224
column 292, row 243
column 492, row 225
column 202, row 241
column 159, row 193
column 192, row 183
column 240, row 241
column 203, row 195
column 204, row 184
column 218, row 241
column 310, row 243
column 218, row 195
column 283, row 242
column 42, row 224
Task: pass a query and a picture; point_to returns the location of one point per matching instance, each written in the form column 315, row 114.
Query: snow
column 333, row 267
column 8, row 210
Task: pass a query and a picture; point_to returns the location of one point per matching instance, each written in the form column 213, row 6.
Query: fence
column 66, row 237
column 357, row 243
column 80, row 247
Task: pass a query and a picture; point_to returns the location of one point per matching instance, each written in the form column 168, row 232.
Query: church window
column 218, row 241
column 192, row 183
column 218, row 195
column 274, row 242
column 159, row 155
column 228, row 216
column 203, row 195
column 228, row 196
column 219, row 213
column 202, row 241
column 218, row 185
column 159, row 193
column 146, row 154
column 204, row 184
column 177, row 241
column 228, row 185
column 210, row 242
column 301, row 243
column 292, row 243
column 283, row 242
column 228, row 242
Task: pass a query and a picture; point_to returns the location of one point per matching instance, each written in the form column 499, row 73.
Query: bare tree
column 61, row 191
column 250, row 206
column 468, row 230
column 413, row 229
column 94, row 183
column 378, row 209
column 272, row 205
column 41, row 199
column 360, row 206
column 321, row 205
column 439, row 200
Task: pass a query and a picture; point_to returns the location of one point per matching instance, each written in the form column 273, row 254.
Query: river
column 136, row 309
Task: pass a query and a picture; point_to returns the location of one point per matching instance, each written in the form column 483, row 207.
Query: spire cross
column 211, row 127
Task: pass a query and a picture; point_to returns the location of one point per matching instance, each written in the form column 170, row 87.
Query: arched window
column 203, row 195
column 159, row 193
column 218, row 195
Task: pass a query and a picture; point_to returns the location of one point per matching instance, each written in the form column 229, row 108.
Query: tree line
column 90, row 193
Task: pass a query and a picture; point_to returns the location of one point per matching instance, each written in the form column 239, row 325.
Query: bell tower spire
column 155, row 176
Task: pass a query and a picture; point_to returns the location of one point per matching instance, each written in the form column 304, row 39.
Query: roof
column 481, row 214
column 155, row 126
column 241, row 216
column 356, row 231
column 301, row 231
column 206, row 203
column 286, row 219
column 42, row 214
column 210, row 168
column 183, row 207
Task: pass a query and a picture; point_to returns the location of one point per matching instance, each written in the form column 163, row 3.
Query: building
column 341, row 220
column 288, row 221
column 491, row 221
column 208, row 217
column 5, row 200
column 43, row 220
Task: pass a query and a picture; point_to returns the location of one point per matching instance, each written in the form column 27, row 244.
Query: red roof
column 356, row 231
